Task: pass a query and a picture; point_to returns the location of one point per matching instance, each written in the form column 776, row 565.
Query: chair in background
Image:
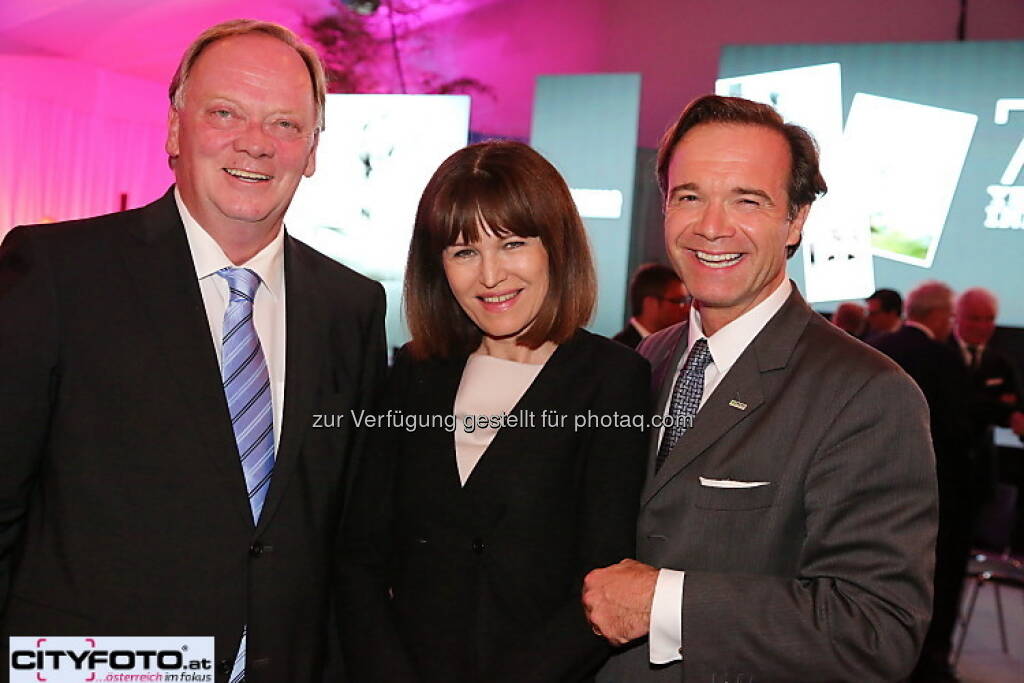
column 996, row 568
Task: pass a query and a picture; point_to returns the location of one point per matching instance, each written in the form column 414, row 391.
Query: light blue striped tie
column 247, row 389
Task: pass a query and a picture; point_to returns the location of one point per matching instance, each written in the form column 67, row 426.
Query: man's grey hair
column 927, row 297
column 977, row 294
column 241, row 27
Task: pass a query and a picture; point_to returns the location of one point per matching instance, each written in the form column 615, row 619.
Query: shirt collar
column 208, row 257
column 919, row 326
column 644, row 332
column 965, row 347
column 729, row 343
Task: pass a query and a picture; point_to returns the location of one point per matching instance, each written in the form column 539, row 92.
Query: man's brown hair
column 650, row 279
column 805, row 181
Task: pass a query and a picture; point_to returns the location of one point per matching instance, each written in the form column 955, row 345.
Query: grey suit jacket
column 824, row 574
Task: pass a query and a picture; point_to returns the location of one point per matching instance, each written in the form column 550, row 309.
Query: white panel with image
column 374, row 159
column 905, row 161
column 836, row 248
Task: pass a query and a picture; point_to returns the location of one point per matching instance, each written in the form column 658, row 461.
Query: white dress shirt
column 965, row 351
column 268, row 306
column 726, row 346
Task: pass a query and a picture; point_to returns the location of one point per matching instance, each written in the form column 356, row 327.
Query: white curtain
column 74, row 138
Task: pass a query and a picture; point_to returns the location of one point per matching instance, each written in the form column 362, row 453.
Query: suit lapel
column 304, row 351
column 664, row 359
column 159, row 262
column 769, row 351
column 507, row 443
column 444, row 383
column 952, row 343
column 713, row 420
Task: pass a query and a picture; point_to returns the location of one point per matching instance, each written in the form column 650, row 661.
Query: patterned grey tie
column 686, row 397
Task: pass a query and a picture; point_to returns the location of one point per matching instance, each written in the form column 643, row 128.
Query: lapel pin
column 739, row 405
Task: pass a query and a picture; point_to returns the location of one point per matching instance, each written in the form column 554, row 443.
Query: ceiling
column 145, row 39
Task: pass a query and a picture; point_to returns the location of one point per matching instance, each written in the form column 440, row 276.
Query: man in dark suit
column 919, row 347
column 657, row 299
column 788, row 519
column 163, row 369
column 885, row 313
column 994, row 394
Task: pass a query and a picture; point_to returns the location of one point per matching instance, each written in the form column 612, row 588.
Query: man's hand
column 1016, row 424
column 617, row 600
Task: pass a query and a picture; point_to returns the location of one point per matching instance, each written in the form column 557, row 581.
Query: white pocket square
column 731, row 483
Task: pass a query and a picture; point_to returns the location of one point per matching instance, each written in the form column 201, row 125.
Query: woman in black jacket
column 510, row 451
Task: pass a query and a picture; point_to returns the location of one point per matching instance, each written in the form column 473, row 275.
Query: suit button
column 478, row 546
column 256, row 549
column 224, row 666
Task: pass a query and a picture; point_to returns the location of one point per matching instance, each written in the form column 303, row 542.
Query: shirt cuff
column 666, row 632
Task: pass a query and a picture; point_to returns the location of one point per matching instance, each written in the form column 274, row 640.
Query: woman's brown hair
column 511, row 189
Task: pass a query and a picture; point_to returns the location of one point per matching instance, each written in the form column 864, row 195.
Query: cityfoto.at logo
column 38, row 659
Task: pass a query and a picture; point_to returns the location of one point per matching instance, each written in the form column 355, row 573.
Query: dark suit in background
column 629, row 336
column 121, row 472
column 991, row 378
column 940, row 373
column 823, row 573
column 481, row 583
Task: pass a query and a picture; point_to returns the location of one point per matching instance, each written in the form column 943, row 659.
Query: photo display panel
column 922, row 147
column 374, row 159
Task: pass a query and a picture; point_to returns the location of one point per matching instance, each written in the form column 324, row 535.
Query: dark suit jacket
column 993, row 377
column 940, row 373
column 121, row 474
column 629, row 336
column 824, row 574
column 484, row 580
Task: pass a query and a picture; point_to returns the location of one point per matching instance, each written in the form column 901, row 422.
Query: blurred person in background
column 657, row 299
column 885, row 313
column 995, row 385
column 851, row 317
column 920, row 347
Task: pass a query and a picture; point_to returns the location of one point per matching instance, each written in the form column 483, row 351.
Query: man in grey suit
column 788, row 521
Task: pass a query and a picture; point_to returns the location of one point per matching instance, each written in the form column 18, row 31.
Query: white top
column 268, row 306
column 726, row 346
column 490, row 386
